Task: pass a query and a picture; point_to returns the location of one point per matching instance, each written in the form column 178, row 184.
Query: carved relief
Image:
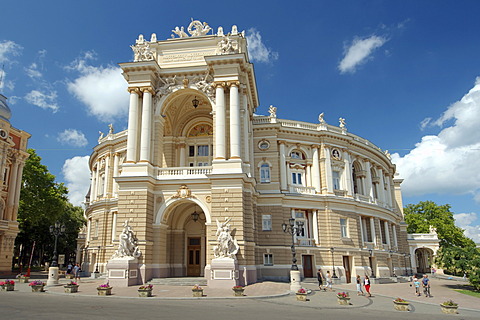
column 227, row 46
column 183, row 192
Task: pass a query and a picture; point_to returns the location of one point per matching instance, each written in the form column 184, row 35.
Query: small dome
column 5, row 112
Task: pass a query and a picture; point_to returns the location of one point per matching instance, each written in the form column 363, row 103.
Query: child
column 329, row 281
column 416, row 283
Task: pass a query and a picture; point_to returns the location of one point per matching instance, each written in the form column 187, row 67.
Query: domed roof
column 5, row 112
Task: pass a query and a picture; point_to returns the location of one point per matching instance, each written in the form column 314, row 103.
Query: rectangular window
column 296, row 178
column 268, row 259
column 343, row 228
column 202, row 151
column 267, row 222
column 191, row 151
column 336, row 180
column 264, row 173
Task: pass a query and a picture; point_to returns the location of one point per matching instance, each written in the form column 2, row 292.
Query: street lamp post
column 96, row 260
column 56, row 229
column 293, row 229
column 370, row 251
column 334, row 275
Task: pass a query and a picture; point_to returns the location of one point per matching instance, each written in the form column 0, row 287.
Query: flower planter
column 69, row 276
column 301, row 296
column 23, row 280
column 238, row 292
column 145, row 293
column 71, row 288
column 37, row 288
column 343, row 301
column 8, row 287
column 401, row 306
column 449, row 309
column 197, row 292
column 107, row 291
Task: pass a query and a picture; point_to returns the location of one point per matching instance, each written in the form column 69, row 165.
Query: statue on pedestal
column 226, row 247
column 128, row 246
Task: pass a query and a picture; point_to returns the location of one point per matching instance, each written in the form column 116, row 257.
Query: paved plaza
column 266, row 300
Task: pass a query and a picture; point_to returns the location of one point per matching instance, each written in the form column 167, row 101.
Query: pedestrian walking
column 426, row 285
column 359, row 286
column 76, row 272
column 366, row 284
column 416, row 283
column 320, row 280
column 329, row 281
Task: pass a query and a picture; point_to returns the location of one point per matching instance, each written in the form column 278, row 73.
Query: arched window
column 265, row 173
column 357, row 178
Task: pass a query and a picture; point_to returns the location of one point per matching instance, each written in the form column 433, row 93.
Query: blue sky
column 402, row 73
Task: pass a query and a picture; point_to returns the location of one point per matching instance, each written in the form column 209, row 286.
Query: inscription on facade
column 194, row 56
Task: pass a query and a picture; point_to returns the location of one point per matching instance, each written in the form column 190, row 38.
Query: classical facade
column 195, row 155
column 13, row 146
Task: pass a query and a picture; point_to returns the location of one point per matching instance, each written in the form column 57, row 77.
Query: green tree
column 421, row 216
column 42, row 203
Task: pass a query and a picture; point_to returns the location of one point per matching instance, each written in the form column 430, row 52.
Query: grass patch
column 470, row 293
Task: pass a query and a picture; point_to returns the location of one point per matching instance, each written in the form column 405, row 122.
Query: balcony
column 305, row 242
column 301, row 189
column 183, row 173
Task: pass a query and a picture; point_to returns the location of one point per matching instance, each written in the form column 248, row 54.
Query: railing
column 179, row 172
column 306, row 242
column 302, row 189
column 362, row 198
column 422, row 236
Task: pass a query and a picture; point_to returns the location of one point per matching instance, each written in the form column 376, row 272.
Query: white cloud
column 464, row 221
column 43, row 100
column 72, row 137
column 9, row 49
column 359, row 52
column 33, row 72
column 446, row 163
column 77, row 176
column 257, row 51
column 102, row 89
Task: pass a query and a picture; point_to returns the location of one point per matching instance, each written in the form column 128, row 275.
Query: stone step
column 179, row 281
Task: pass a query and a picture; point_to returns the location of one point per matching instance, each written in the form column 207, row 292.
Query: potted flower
column 7, row 285
column 301, row 294
column 22, row 278
column 104, row 289
column 401, row 304
column 37, row 286
column 450, row 307
column 238, row 291
column 343, row 298
column 197, row 291
column 145, row 291
column 71, row 287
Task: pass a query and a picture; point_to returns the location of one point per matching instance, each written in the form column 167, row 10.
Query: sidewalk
column 441, row 290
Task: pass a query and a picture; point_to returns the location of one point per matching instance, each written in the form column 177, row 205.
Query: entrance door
column 193, row 257
column 346, row 266
column 307, row 266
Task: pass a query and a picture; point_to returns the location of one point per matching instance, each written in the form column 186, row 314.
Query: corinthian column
column 146, row 136
column 219, row 121
column 315, row 170
column 234, row 121
column 12, row 187
column 132, row 126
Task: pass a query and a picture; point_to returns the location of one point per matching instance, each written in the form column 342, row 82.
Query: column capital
column 282, row 142
column 148, row 89
column 233, row 84
column 315, row 146
column 134, row 90
column 222, row 84
column 181, row 145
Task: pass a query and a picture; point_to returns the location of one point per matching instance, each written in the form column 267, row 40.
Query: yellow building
column 196, row 153
column 13, row 146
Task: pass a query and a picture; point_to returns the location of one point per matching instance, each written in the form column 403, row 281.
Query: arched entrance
column 185, row 247
column 424, row 259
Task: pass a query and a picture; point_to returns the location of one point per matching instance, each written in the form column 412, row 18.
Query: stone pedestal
column 123, row 272
column 222, row 273
column 53, row 276
column 295, row 283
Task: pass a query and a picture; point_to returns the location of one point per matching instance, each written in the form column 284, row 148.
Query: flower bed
column 37, row 286
column 449, row 307
column 71, row 287
column 400, row 304
column 145, row 291
column 104, row 289
column 343, row 298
